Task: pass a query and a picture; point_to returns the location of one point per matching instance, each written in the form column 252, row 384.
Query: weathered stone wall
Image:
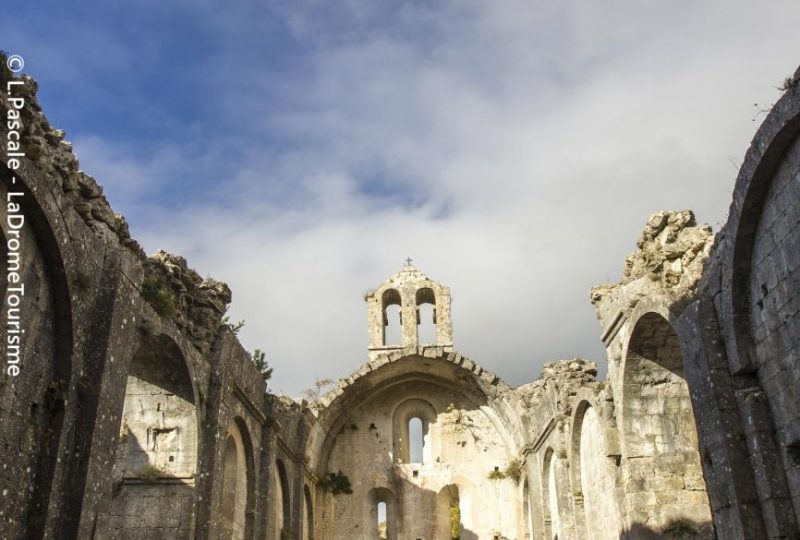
column 464, row 448
column 741, row 338
column 130, row 388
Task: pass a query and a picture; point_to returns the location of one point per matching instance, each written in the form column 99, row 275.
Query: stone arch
column 283, row 512
column 593, row 475
column 426, row 318
column 659, row 435
column 157, row 451
column 38, row 394
column 448, row 510
column 308, row 514
column 762, row 187
column 526, row 518
column 391, row 297
column 375, row 497
column 550, row 495
column 238, row 484
column 158, row 426
column 403, row 414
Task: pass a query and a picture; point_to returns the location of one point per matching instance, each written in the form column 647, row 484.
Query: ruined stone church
column 137, row 414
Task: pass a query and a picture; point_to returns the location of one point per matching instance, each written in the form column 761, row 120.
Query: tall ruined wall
column 134, row 412
column 742, row 335
column 463, row 456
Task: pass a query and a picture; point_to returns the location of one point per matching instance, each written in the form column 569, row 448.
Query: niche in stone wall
column 156, row 457
column 449, row 523
column 282, row 510
column 158, row 431
column 527, row 516
column 381, row 515
column 238, row 483
column 552, row 522
column 411, row 423
column 308, row 514
column 660, row 447
column 595, row 474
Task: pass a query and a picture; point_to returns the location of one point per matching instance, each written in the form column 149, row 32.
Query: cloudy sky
column 300, row 150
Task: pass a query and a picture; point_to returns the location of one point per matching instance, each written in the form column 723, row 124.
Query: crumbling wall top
column 672, row 251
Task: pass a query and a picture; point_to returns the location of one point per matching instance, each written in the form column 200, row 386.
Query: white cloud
column 514, row 149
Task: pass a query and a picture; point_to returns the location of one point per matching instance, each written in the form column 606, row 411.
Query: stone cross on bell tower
column 408, row 288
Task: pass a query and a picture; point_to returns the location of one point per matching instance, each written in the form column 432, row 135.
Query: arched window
column 382, row 520
column 381, row 515
column 416, row 440
column 392, row 318
column 411, row 423
column 426, row 316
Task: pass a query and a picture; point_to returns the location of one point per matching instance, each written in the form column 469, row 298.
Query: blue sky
column 300, row 150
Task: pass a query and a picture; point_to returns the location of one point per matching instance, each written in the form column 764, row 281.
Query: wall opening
column 448, row 513
column 392, row 318
column 426, row 317
column 411, row 424
column 382, row 520
column 660, row 446
column 416, row 440
column 381, row 515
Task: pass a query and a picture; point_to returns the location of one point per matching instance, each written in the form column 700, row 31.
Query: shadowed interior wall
column 660, row 449
column 157, row 452
column 774, row 292
column 463, row 447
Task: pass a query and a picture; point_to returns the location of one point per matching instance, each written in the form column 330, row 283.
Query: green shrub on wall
column 455, row 519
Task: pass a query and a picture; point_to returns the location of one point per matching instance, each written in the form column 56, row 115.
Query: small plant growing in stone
column 496, row 474
column 455, row 519
column 514, row 470
column 337, row 483
column 788, row 83
column 235, row 327
column 260, row 360
column 161, row 299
